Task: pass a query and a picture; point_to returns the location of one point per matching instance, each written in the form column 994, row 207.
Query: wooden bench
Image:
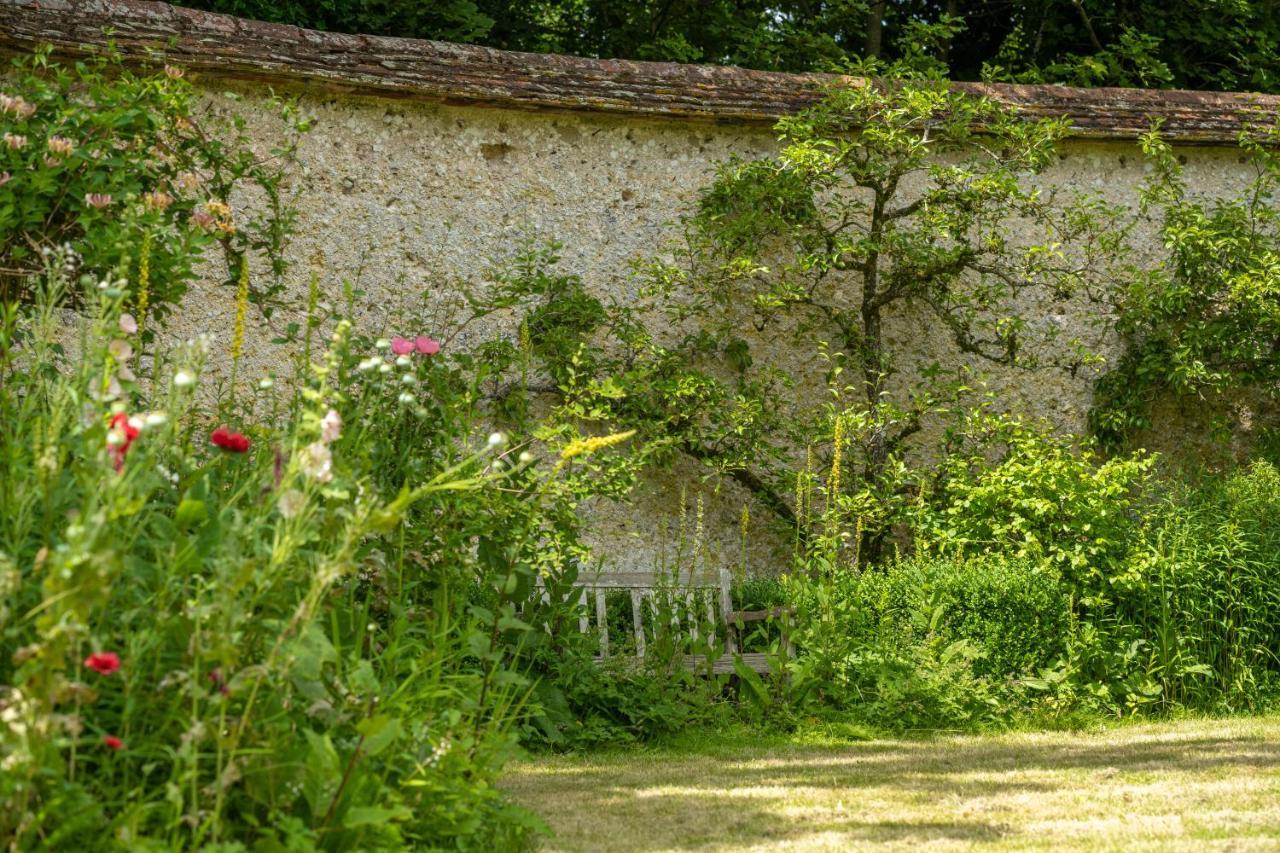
column 697, row 606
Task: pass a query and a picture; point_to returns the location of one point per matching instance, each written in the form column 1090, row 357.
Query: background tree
column 1196, row 44
column 881, row 197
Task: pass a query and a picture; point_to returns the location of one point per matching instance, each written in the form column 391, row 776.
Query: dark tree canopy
column 1195, row 44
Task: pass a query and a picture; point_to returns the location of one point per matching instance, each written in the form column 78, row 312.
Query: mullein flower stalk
column 143, row 299
column 237, row 332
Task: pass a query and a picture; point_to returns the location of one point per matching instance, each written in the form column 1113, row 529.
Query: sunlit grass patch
column 1186, row 785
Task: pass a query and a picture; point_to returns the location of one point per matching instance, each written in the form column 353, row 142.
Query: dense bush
column 1202, row 591
column 215, row 634
column 122, row 167
column 1015, row 611
column 1005, row 485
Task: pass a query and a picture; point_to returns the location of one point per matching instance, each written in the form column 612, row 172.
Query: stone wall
column 429, row 160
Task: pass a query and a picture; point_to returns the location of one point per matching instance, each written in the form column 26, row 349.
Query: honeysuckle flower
column 15, row 141
column 173, row 72
column 16, row 105
column 291, row 503
column 401, row 346
column 158, row 200
column 5, row 178
column 184, row 379
column 52, row 162
column 317, row 462
column 112, row 742
column 202, row 219
column 234, row 442
column 426, row 345
column 330, row 426
column 128, row 324
column 103, row 663
column 61, row 146
column 98, row 200
column 187, row 182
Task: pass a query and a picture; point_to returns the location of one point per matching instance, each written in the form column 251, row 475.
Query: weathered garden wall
column 429, row 160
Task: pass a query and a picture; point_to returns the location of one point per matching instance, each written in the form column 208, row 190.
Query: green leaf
column 379, row 732
column 372, row 815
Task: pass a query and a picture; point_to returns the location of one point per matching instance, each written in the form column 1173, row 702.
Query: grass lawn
column 1188, row 785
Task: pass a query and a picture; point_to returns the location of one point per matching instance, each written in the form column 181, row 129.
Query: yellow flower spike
column 580, row 446
column 242, row 309
column 144, row 283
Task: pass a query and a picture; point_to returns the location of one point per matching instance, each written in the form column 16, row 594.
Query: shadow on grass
column 937, row 790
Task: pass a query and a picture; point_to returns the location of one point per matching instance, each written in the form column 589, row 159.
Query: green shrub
column 262, row 631
column 1006, row 486
column 1014, row 611
column 115, row 165
column 1202, row 591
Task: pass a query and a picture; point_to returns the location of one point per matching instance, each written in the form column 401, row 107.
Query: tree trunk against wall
column 875, row 29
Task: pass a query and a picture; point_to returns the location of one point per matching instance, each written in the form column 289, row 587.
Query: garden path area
column 1186, row 785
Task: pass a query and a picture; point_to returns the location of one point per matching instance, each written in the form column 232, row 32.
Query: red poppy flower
column 112, row 742
column 235, row 442
column 121, row 436
column 103, row 663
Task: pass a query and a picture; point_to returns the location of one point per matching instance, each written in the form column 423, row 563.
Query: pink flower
column 103, row 663
column 5, row 177
column 401, row 346
column 330, row 426
column 425, row 345
column 97, row 200
column 128, row 324
column 112, row 742
column 202, row 219
column 173, row 72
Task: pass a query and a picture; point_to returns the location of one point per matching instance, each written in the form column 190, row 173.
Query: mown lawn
column 1186, row 785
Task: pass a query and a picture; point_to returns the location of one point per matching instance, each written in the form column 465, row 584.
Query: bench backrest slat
column 710, row 589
